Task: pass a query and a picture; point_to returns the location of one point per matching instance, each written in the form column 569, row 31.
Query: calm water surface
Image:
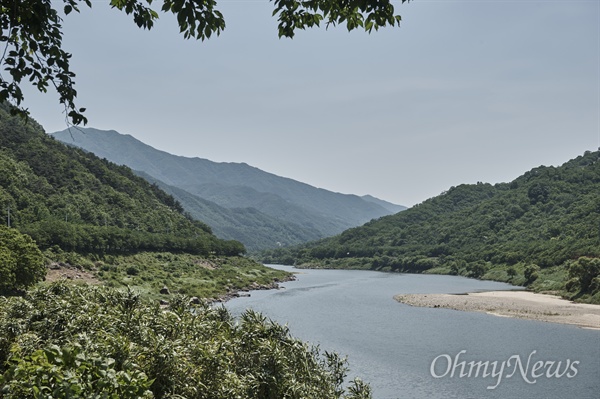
column 392, row 346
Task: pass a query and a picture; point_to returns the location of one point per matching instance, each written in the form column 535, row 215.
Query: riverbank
column 519, row 304
column 245, row 292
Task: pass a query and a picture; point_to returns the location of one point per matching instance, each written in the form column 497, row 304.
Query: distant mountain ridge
column 247, row 225
column 393, row 208
column 277, row 203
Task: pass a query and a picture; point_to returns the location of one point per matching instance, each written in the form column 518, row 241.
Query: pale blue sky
column 463, row 91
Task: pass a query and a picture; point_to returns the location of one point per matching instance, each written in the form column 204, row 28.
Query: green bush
column 584, row 275
column 65, row 341
column 531, row 273
column 69, row 372
column 21, row 262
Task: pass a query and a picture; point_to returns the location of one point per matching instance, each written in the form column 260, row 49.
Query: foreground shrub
column 21, row 262
column 584, row 274
column 65, row 341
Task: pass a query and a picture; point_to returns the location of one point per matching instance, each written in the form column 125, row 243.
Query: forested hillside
column 544, row 223
column 66, row 197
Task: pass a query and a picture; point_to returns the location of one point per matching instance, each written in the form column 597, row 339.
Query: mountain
column 248, row 225
column 70, row 199
column 393, row 208
column 543, row 224
column 265, row 197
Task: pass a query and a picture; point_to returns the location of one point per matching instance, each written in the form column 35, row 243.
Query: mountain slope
column 63, row 196
column 233, row 185
column 248, row 225
column 546, row 219
column 393, row 208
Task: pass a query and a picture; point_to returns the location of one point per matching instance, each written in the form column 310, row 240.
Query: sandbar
column 519, row 304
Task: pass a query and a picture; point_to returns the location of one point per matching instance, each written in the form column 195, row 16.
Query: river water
column 411, row 352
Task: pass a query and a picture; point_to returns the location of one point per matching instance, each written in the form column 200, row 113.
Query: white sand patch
column 520, row 304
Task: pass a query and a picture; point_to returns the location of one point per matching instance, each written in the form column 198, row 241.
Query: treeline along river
column 413, row 352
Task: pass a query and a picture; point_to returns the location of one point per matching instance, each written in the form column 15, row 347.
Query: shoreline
column 518, row 304
column 245, row 292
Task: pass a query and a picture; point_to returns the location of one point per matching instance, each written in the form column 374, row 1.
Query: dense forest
column 541, row 230
column 66, row 197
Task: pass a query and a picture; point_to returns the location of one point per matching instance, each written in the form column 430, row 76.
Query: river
column 411, row 352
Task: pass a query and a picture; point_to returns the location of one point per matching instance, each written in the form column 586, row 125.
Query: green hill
column 64, row 196
column 543, row 224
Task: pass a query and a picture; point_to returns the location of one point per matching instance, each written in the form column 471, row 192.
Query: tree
column 511, row 272
column 531, row 273
column 21, row 262
column 32, row 35
column 585, row 274
column 537, row 193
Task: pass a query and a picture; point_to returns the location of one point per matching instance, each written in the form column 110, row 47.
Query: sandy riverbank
column 520, row 304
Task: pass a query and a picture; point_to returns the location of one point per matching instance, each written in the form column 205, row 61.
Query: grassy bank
column 149, row 272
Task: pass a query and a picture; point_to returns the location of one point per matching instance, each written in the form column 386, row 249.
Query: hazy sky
column 463, row 91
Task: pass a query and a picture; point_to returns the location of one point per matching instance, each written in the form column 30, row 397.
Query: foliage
column 294, row 14
column 32, row 35
column 584, row 275
column 55, row 372
column 69, row 341
column 544, row 219
column 531, row 273
column 89, row 213
column 21, row 262
column 66, row 197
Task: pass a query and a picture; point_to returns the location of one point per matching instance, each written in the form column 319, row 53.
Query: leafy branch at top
column 32, row 38
column 366, row 14
column 31, row 34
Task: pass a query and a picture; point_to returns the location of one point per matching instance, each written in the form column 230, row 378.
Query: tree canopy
column 31, row 32
column 21, row 262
